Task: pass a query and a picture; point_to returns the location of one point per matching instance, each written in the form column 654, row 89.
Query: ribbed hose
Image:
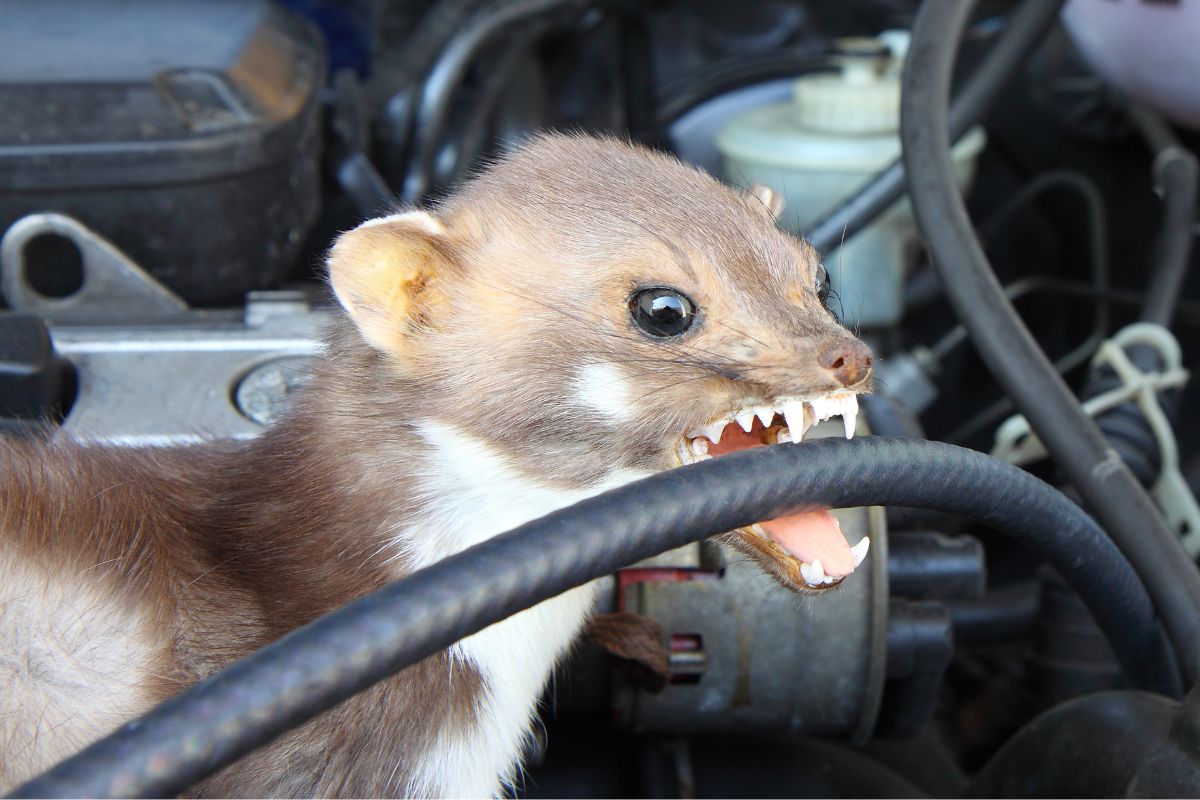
column 286, row 683
column 1024, row 30
column 1009, row 350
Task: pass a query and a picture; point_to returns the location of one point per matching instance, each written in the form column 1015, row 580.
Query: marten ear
column 771, row 199
column 382, row 273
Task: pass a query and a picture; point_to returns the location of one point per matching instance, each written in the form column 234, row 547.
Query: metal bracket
column 112, row 282
column 1017, row 444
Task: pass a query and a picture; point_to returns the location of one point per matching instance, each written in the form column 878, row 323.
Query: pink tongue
column 813, row 536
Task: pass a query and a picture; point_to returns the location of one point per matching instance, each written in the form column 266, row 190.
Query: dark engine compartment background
column 221, row 145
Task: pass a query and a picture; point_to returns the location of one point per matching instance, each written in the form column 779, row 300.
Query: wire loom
column 281, row 686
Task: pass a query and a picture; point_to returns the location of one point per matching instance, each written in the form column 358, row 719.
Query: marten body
column 490, row 370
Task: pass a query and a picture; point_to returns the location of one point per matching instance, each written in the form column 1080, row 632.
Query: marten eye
column 822, row 285
column 662, row 312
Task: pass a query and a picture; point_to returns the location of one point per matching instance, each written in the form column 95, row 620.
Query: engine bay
column 173, row 176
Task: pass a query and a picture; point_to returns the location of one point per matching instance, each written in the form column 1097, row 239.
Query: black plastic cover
column 185, row 132
column 31, row 374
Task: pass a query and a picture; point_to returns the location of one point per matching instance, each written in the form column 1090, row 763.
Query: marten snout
column 848, row 359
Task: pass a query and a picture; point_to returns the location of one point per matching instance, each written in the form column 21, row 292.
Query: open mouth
column 806, row 551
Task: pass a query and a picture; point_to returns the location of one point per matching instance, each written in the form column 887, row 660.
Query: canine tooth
column 811, row 576
column 859, row 551
column 793, row 415
column 746, row 420
column 850, row 414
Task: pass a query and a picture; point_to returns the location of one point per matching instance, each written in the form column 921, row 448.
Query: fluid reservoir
column 837, row 130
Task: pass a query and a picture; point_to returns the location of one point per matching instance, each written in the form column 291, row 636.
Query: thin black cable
column 1175, row 175
column 1010, row 352
column 279, row 687
column 1025, row 28
column 1097, row 237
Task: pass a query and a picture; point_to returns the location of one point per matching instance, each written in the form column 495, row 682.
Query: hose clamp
column 1017, row 444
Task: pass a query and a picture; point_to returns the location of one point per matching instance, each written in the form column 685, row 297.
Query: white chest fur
column 473, row 495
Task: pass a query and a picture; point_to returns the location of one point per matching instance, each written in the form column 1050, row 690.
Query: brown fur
column 228, row 555
column 478, row 318
column 636, row 643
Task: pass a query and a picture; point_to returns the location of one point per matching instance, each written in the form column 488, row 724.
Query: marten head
column 585, row 306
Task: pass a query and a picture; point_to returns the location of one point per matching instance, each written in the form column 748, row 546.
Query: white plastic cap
column 863, row 97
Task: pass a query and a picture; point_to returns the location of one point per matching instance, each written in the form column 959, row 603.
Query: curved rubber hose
column 1175, row 175
column 1010, row 352
column 396, row 73
column 317, row 666
column 1089, row 746
column 473, row 140
column 437, row 91
column 1024, row 30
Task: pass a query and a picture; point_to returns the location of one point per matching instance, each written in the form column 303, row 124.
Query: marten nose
column 848, row 359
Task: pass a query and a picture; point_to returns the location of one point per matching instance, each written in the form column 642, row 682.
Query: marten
column 582, row 313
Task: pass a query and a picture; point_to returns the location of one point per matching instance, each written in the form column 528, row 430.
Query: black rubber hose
column 1175, row 174
column 1010, row 352
column 1024, row 30
column 1090, row 746
column 437, row 91
column 473, row 141
column 315, row 667
column 399, row 71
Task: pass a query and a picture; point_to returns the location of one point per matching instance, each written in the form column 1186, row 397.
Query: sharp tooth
column 765, row 414
column 746, row 420
column 859, row 551
column 714, row 431
column 711, row 432
column 822, row 408
column 814, row 574
column 797, row 422
column 850, row 414
column 700, row 446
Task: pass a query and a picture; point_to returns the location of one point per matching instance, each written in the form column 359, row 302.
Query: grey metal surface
column 150, row 371
column 112, row 282
column 772, row 660
column 179, row 384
